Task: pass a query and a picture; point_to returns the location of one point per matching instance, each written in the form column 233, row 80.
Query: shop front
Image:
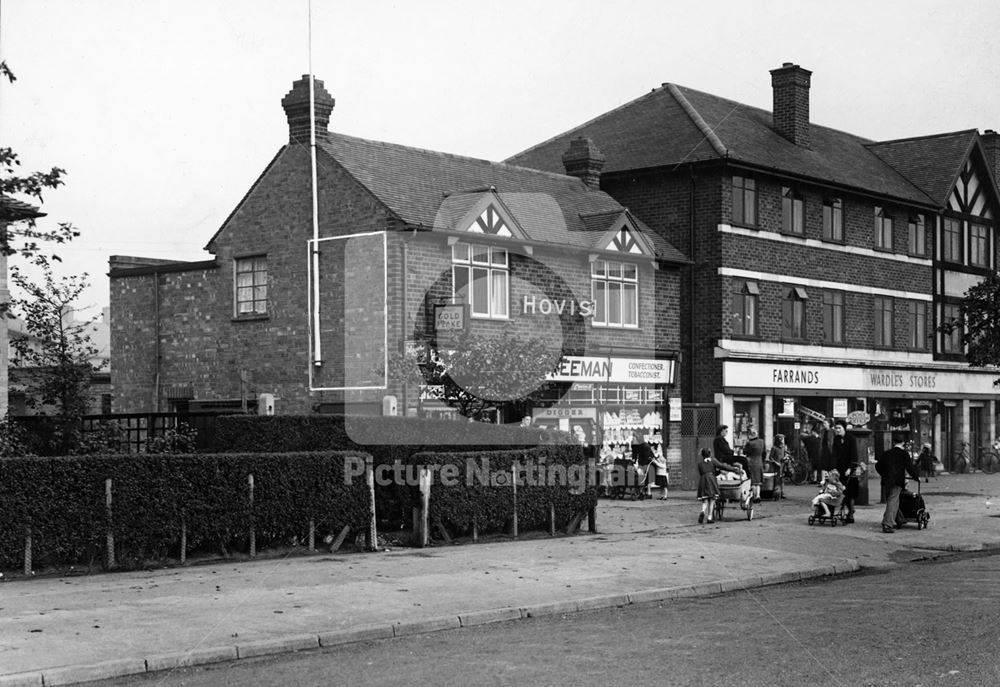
column 942, row 408
column 604, row 401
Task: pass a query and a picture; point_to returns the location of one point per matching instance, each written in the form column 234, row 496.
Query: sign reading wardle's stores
column 854, row 379
column 618, row 370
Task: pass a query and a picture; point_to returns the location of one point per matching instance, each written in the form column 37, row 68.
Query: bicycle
column 989, row 459
column 792, row 470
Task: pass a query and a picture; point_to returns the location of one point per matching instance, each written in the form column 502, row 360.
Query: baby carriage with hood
column 734, row 487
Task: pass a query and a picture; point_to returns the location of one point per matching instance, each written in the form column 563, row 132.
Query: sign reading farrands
column 620, row 370
column 854, row 379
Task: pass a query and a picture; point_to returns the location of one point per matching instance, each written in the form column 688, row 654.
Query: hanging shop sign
column 840, row 407
column 563, row 411
column 619, row 370
column 858, row 418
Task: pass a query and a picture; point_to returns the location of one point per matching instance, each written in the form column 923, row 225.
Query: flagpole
column 317, row 344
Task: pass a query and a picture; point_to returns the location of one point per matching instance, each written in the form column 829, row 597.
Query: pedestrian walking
column 843, row 452
column 708, row 487
column 753, row 451
column 813, row 444
column 927, row 461
column 777, row 454
column 642, row 454
column 827, row 461
column 893, row 467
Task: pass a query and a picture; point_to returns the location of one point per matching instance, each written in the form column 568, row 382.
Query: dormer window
column 615, row 292
column 480, row 276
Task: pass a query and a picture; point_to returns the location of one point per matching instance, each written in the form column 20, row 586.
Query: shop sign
column 621, row 370
column 449, row 318
column 675, row 408
column 858, row 380
column 560, row 411
column 858, row 418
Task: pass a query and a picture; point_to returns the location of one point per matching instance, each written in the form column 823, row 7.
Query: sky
column 164, row 112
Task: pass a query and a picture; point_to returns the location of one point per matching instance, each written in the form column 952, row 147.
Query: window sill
column 629, row 327
column 256, row 317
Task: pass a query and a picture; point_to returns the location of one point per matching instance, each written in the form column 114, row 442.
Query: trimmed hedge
column 477, row 485
column 389, row 440
column 63, row 500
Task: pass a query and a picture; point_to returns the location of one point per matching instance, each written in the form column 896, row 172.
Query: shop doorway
column 698, row 424
column 976, row 437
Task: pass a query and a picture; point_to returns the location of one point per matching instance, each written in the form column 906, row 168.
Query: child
column 927, row 461
column 662, row 475
column 831, row 491
column 708, row 487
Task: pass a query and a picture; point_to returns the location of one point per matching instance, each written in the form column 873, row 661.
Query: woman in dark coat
column 708, row 487
column 724, row 452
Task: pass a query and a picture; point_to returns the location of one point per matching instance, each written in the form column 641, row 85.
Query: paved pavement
column 70, row 629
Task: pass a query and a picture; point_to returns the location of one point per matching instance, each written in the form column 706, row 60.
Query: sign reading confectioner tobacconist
column 609, row 401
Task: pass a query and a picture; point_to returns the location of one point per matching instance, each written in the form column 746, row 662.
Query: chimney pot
column 790, row 114
column 296, row 106
column 585, row 161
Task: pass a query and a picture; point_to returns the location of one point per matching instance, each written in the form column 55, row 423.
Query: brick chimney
column 991, row 142
column 296, row 104
column 790, row 115
column 584, row 160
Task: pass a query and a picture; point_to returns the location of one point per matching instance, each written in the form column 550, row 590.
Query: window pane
column 460, row 251
column 498, row 294
column 614, row 303
column 600, row 301
column 480, row 291
column 499, row 257
column 614, row 270
column 244, row 279
column 629, row 272
column 786, row 209
column 460, row 281
column 260, row 294
column 630, row 305
column 750, row 315
column 598, row 268
column 750, row 202
column 481, row 254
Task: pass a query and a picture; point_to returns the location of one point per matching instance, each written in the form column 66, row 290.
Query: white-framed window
column 793, row 314
column 250, row 285
column 979, row 245
column 793, row 213
column 614, row 288
column 480, row 277
column 746, row 300
column 833, row 219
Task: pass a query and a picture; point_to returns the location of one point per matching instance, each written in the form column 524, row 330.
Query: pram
column 628, row 480
column 734, row 488
column 912, row 507
column 771, row 487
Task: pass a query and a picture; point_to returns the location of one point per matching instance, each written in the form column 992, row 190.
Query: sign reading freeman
column 620, row 370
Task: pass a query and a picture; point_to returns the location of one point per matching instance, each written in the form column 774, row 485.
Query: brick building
column 407, row 246
column 823, row 262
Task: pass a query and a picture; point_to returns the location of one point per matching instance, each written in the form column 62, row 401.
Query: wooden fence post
column 513, row 484
column 184, row 539
column 109, row 558
column 27, row 549
column 421, row 532
column 312, row 535
column 552, row 519
column 371, row 535
column 253, row 531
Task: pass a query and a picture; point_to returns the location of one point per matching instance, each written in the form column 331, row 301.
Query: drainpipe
column 156, row 336
column 692, row 281
column 403, row 334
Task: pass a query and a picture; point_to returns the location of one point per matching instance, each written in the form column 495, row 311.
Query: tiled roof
column 930, row 162
column 674, row 125
column 420, row 187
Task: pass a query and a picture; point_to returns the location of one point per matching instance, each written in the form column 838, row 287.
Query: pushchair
column 836, row 506
column 912, row 507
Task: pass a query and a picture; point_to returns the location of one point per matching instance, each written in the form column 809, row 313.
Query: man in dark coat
column 892, row 467
column 813, row 443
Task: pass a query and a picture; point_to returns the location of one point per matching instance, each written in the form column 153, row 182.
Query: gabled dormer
column 619, row 234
